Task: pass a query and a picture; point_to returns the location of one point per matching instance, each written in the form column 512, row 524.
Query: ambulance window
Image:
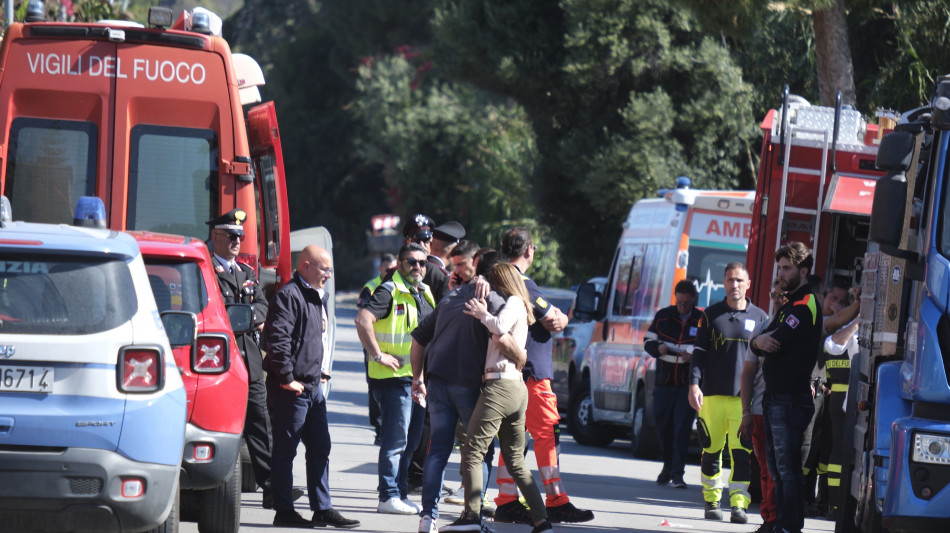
column 646, row 301
column 268, row 198
column 173, row 180
column 52, row 163
column 629, row 263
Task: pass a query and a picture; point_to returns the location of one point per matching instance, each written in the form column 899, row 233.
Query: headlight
column 934, row 449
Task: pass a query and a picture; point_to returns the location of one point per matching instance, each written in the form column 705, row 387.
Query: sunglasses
column 233, row 237
column 416, row 262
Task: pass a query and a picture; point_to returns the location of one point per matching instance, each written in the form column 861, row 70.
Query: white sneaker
column 427, row 525
column 412, row 505
column 395, row 506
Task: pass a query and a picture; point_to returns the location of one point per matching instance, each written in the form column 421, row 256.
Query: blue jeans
column 448, row 405
column 786, row 416
column 399, row 434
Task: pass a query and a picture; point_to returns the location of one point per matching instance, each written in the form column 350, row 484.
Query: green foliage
column 545, row 270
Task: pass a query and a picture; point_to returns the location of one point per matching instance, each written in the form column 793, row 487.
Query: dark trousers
column 674, row 423
column 299, row 418
column 786, row 417
column 257, row 432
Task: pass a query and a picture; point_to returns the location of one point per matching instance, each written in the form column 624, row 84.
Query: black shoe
column 466, row 522
column 543, row 527
column 738, row 516
column 267, row 501
column 569, row 513
column 713, row 512
column 415, row 489
column 332, row 518
column 678, row 483
column 764, row 527
column 514, row 513
column 664, row 478
column 291, row 519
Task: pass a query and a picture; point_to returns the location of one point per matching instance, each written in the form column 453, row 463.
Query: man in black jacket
column 297, row 340
column 790, row 348
column 670, row 339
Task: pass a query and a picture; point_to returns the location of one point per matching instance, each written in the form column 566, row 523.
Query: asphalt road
column 619, row 489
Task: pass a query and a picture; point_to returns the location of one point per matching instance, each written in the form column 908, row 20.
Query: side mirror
column 890, row 193
column 181, row 328
column 585, row 305
column 241, row 317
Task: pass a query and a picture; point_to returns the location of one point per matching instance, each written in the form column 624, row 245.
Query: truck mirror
column 180, row 327
column 241, row 317
column 887, row 211
column 895, row 151
column 585, row 305
column 941, row 104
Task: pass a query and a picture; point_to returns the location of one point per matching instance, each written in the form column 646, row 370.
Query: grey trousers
column 500, row 409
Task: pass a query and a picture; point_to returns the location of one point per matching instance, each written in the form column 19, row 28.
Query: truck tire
column 643, row 440
column 580, row 419
column 189, row 506
column 248, row 483
column 221, row 506
column 170, row 525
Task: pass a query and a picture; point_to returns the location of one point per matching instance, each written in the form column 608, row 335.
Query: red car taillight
column 210, row 355
column 140, row 369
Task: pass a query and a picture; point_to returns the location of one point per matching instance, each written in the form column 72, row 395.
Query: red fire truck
column 149, row 119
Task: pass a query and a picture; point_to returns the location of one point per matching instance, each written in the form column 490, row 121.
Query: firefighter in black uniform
column 239, row 284
column 670, row 340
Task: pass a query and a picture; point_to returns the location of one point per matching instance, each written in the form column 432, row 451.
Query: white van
column 684, row 234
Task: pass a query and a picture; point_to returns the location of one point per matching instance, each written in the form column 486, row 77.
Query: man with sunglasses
column 397, row 306
column 239, row 284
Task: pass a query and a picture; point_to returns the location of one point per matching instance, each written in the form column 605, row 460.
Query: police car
column 92, row 407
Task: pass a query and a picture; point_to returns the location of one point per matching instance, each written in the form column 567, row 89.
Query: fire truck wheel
column 221, row 506
column 581, row 419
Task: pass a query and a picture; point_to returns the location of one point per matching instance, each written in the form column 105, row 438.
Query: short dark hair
column 797, row 253
column 734, row 265
column 487, row 261
column 685, row 286
column 515, row 242
column 387, row 258
column 408, row 248
column 465, row 248
column 839, row 283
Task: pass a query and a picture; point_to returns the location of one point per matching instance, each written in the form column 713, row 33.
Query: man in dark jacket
column 790, row 348
column 297, row 340
column 239, row 284
column 670, row 339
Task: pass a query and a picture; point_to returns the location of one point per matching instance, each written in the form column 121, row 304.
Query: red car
column 214, row 374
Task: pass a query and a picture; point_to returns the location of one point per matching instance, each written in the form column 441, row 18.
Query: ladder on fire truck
column 812, row 124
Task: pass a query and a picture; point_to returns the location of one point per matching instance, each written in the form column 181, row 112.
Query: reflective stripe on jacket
column 392, row 332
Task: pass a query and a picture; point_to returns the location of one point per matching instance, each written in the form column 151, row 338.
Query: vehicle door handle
column 6, row 425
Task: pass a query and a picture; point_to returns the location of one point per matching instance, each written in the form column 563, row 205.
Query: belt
column 671, row 359
column 498, row 375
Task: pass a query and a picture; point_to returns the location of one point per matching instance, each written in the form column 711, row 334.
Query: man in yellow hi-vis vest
column 383, row 325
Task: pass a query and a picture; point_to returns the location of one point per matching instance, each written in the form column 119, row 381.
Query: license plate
column 26, row 379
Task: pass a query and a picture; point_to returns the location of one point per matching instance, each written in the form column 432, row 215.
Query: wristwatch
column 378, row 357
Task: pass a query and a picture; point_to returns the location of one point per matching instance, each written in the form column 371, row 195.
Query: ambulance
column 685, row 234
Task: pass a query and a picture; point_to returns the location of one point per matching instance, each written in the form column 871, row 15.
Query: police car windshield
column 42, row 294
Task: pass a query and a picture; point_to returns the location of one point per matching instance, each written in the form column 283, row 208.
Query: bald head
column 315, row 266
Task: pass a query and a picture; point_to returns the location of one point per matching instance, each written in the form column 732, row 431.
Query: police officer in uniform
column 239, row 284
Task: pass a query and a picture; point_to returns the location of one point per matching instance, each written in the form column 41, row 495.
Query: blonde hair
column 506, row 280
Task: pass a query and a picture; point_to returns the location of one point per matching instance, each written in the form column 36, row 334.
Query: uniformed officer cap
column 232, row 221
column 450, row 231
column 418, row 228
